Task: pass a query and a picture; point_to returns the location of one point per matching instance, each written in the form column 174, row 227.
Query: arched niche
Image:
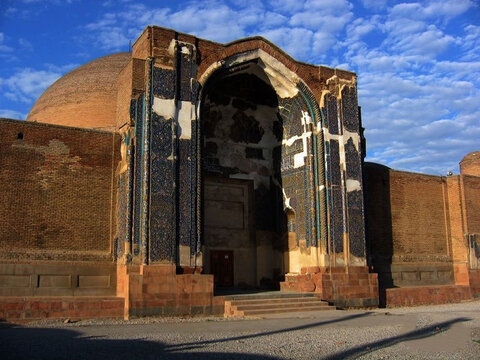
column 260, row 131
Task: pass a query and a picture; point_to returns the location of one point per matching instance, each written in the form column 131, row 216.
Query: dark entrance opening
column 242, row 133
column 221, row 262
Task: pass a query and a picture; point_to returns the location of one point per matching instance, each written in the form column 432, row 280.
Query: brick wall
column 409, row 228
column 471, row 186
column 418, row 217
column 57, row 192
column 131, row 82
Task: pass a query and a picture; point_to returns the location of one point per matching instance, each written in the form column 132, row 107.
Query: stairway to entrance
column 272, row 303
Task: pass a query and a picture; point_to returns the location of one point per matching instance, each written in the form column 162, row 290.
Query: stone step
column 287, row 305
column 284, row 310
column 270, row 295
column 275, row 301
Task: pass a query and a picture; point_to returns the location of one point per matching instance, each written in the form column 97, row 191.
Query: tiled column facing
column 353, row 179
column 173, row 177
column 188, row 142
column 346, row 229
column 123, row 245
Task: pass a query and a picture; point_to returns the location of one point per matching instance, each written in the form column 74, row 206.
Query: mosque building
column 150, row 182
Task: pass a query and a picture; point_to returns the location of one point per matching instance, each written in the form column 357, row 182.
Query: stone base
column 25, row 309
column 159, row 290
column 345, row 287
column 426, row 295
column 474, row 277
column 57, row 279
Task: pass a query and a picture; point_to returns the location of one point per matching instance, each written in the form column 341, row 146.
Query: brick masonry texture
column 411, row 296
column 345, row 288
column 85, row 97
column 418, row 227
column 418, row 221
column 472, row 195
column 55, row 180
column 22, row 310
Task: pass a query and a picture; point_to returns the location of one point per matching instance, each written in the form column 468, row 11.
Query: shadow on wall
column 379, row 225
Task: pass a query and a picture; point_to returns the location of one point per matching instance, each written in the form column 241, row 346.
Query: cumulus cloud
column 295, row 41
column 27, row 84
column 471, row 43
column 374, row 4
column 430, row 42
column 224, row 22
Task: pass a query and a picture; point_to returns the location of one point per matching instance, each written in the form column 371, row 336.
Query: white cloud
column 322, row 42
column 332, row 6
column 295, row 41
column 12, row 114
column 421, row 115
column 374, row 4
column 221, row 22
column 359, row 27
column 430, row 42
column 27, row 84
column 286, row 6
column 447, row 9
column 3, row 47
column 25, row 44
column 326, row 22
column 438, row 10
column 471, row 43
column 272, row 19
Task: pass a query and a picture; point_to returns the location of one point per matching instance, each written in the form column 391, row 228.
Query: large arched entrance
column 259, row 163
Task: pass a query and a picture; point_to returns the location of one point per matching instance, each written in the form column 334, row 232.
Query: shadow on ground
column 18, row 342
column 422, row 333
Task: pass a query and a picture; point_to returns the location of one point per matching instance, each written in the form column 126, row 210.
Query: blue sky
column 418, row 62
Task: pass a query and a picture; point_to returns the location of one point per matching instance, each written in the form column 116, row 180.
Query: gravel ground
column 424, row 332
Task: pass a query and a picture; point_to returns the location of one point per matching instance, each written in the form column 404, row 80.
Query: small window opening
column 20, row 136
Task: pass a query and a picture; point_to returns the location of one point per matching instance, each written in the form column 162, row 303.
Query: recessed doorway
column 221, row 263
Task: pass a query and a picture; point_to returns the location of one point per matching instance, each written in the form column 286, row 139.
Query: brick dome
column 85, row 97
column 470, row 164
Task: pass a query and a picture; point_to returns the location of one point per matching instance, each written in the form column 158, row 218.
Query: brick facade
column 101, row 213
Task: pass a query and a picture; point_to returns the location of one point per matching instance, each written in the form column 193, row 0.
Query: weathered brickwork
column 423, row 231
column 470, row 164
column 471, row 186
column 89, row 103
column 418, row 221
column 23, row 310
column 55, row 180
